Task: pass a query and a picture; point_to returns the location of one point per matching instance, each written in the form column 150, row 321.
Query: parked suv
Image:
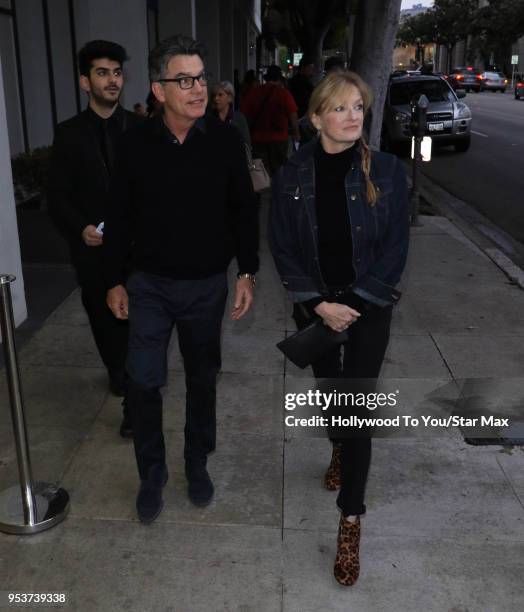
column 466, row 78
column 449, row 119
column 493, row 81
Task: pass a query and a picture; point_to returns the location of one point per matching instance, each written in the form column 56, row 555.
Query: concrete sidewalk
column 445, row 524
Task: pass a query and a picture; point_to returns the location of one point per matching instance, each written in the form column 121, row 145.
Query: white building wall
column 226, row 41
column 64, row 68
column 240, row 43
column 100, row 19
column 176, row 18
column 10, row 78
column 35, row 75
column 208, row 32
column 10, row 262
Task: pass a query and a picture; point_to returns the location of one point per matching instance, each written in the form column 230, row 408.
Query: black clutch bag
column 309, row 344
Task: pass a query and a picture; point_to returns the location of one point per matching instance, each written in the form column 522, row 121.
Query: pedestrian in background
column 249, row 82
column 301, row 86
column 270, row 109
column 334, row 63
column 82, row 163
column 154, row 106
column 339, row 235
column 222, row 99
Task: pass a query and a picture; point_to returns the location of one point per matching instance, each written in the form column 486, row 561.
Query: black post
column 419, row 109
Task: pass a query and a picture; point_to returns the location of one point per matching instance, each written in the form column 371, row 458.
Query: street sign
column 296, row 58
column 514, row 62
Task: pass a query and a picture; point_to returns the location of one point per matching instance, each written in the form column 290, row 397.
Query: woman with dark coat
column 339, row 231
column 222, row 98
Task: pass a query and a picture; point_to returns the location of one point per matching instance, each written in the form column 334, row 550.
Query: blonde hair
column 326, row 95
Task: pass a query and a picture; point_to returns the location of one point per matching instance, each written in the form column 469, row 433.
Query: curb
column 513, row 271
column 501, row 248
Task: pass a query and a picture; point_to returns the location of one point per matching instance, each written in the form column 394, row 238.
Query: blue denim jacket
column 380, row 233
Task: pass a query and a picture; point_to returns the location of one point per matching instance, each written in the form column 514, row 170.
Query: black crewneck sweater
column 183, row 210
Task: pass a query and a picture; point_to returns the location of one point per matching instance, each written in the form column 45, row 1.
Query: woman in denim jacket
column 339, row 231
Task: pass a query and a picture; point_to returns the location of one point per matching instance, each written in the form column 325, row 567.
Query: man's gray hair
column 168, row 48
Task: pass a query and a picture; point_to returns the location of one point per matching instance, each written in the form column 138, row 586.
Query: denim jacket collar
column 305, row 155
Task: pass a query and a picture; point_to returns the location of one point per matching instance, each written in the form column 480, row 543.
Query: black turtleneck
column 334, row 229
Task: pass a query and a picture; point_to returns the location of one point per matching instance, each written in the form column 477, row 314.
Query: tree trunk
column 312, row 48
column 372, row 58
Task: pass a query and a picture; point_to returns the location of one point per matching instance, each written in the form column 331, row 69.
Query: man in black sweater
column 182, row 202
column 81, row 166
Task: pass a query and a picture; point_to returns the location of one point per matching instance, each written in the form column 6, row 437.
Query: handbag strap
column 249, row 154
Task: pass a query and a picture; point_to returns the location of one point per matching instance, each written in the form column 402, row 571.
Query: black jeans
column 362, row 359
column 196, row 307
column 110, row 333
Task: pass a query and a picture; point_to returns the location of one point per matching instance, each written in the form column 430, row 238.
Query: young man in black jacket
column 181, row 194
column 81, row 167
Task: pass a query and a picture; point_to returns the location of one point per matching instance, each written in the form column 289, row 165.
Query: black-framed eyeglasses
column 187, row 82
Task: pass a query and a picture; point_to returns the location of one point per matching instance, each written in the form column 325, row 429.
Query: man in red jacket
column 269, row 110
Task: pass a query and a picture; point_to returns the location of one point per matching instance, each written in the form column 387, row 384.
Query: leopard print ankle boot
column 332, row 475
column 347, row 562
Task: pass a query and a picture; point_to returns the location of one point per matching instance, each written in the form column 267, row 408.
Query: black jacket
column 380, row 233
column 185, row 209
column 79, row 179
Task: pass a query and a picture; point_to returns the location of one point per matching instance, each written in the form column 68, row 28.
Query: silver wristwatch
column 252, row 277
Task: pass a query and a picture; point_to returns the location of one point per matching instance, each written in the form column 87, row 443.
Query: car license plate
column 435, row 127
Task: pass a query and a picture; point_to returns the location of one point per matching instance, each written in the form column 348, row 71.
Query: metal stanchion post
column 415, row 194
column 29, row 507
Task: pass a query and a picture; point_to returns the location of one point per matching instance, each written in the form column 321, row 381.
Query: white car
column 493, row 81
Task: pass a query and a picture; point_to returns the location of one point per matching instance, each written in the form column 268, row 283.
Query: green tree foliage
column 452, row 21
column 308, row 24
column 495, row 27
column 446, row 23
column 419, row 28
column 303, row 24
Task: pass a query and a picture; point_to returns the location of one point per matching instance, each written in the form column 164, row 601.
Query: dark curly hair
column 97, row 49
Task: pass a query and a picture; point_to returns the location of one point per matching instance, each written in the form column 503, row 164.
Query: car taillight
column 479, row 76
column 520, row 84
column 459, row 76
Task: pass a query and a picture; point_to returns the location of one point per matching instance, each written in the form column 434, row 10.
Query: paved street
column 489, row 176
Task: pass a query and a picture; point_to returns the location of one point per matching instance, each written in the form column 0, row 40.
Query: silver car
column 448, row 119
column 493, row 81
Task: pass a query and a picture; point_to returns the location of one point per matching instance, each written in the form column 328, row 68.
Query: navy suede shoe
column 200, row 489
column 126, row 431
column 149, row 502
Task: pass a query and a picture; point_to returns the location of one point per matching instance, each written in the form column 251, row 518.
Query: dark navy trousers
column 156, row 305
